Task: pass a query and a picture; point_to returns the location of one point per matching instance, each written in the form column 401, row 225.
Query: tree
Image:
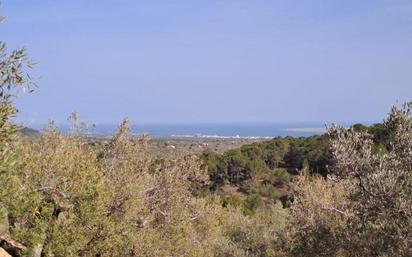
column 365, row 206
column 13, row 77
column 381, row 196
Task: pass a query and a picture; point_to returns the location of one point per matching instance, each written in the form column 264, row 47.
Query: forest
column 345, row 193
column 263, row 171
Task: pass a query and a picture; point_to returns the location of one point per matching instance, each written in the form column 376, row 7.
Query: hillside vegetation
column 347, row 193
column 262, row 172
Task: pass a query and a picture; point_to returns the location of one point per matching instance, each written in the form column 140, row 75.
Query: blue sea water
column 211, row 130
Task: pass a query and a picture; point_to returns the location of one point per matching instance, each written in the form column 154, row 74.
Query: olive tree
column 13, row 78
column 365, row 206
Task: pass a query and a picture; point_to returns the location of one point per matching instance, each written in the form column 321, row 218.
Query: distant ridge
column 30, row 132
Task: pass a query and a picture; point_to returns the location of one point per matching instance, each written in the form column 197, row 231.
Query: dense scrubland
column 345, row 193
column 263, row 171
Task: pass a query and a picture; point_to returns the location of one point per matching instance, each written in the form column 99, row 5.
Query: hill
column 261, row 172
column 26, row 131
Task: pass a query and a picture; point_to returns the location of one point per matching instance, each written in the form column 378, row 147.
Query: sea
column 218, row 131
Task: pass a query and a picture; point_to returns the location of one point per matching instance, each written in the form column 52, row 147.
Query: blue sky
column 215, row 61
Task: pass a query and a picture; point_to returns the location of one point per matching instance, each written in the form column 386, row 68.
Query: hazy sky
column 183, row 61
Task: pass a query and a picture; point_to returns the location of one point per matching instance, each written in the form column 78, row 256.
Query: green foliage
column 364, row 208
column 13, row 78
column 252, row 202
column 231, row 200
column 315, row 222
column 72, row 198
column 255, row 235
column 67, row 195
column 239, row 165
column 63, row 195
column 265, row 169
